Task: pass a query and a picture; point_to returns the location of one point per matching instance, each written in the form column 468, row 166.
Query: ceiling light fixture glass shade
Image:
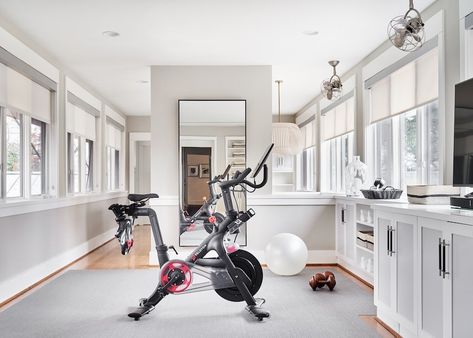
column 332, row 88
column 287, row 137
column 406, row 32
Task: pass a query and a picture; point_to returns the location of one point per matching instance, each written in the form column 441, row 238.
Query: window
column 403, row 139
column 114, row 166
column 336, row 154
column 338, row 123
column 89, row 165
column 24, row 120
column 73, row 160
column 306, row 161
column 14, row 151
column 81, row 124
column 406, row 147
column 37, row 160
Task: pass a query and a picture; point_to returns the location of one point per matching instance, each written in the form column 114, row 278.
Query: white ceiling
column 200, row 32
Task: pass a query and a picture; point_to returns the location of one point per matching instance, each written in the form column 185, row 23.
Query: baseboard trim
column 27, row 280
column 355, row 276
column 387, row 327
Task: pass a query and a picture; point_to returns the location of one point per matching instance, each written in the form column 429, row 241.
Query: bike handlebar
column 263, row 182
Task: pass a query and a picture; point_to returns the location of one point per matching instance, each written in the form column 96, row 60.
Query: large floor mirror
column 212, row 135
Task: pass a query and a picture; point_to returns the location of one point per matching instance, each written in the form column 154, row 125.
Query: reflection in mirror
column 212, row 135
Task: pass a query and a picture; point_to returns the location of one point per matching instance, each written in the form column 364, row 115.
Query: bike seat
column 141, row 197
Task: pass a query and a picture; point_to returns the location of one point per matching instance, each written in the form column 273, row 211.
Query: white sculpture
column 355, row 176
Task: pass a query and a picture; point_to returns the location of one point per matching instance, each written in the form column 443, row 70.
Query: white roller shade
column 403, row 85
column 339, row 120
column 27, row 96
column 80, row 122
column 379, row 97
column 308, row 131
column 427, row 88
column 410, row 86
column 114, row 136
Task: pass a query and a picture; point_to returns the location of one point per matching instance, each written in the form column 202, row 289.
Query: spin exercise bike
column 206, row 214
column 235, row 276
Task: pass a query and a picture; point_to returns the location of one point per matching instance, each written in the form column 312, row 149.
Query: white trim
column 164, row 200
column 18, row 207
column 292, row 199
column 81, row 93
column 133, row 138
column 114, row 115
column 22, row 281
column 26, row 54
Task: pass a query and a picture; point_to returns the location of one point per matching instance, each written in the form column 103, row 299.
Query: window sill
column 292, row 198
column 23, row 206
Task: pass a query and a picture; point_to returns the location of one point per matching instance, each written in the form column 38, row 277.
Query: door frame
column 133, row 139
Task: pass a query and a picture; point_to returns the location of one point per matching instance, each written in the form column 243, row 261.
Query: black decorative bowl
column 388, row 194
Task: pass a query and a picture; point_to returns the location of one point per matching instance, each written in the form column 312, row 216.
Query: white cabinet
column 345, row 231
column 446, row 279
column 351, row 254
column 423, row 275
column 461, row 284
column 395, row 272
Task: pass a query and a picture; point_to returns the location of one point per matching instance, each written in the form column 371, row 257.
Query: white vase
column 355, row 176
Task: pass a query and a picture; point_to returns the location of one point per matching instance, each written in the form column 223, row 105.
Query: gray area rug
column 94, row 303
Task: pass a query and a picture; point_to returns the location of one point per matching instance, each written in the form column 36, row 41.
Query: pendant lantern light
column 287, row 137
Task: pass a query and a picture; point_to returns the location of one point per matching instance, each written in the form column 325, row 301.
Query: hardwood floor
column 108, row 256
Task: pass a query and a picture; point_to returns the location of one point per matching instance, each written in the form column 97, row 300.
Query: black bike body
column 235, row 276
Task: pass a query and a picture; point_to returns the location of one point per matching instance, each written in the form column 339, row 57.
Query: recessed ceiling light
column 311, row 32
column 143, row 81
column 110, row 34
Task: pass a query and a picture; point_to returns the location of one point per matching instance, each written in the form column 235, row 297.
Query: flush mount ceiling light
column 311, row 32
column 406, row 32
column 332, row 88
column 110, row 34
column 287, row 137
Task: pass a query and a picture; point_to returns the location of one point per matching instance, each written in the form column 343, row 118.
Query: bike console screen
column 263, row 160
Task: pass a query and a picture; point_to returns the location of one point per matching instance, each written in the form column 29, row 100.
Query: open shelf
column 371, row 225
column 364, row 249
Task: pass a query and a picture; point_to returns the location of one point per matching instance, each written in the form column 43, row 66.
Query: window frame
column 423, row 156
column 338, row 151
column 44, row 154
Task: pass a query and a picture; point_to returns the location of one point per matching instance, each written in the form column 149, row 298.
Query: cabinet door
column 350, row 232
column 404, row 250
column 461, row 273
column 340, row 229
column 431, row 283
column 384, row 273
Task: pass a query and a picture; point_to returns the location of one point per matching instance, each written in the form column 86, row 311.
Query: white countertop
column 441, row 212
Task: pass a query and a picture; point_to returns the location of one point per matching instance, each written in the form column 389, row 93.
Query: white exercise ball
column 286, row 254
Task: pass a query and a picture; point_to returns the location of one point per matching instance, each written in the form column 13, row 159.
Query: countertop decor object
column 355, row 176
column 431, row 194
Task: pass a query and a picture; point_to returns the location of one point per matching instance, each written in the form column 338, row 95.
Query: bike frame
column 213, row 242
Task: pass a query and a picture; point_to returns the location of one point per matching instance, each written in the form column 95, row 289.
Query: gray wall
column 315, row 224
